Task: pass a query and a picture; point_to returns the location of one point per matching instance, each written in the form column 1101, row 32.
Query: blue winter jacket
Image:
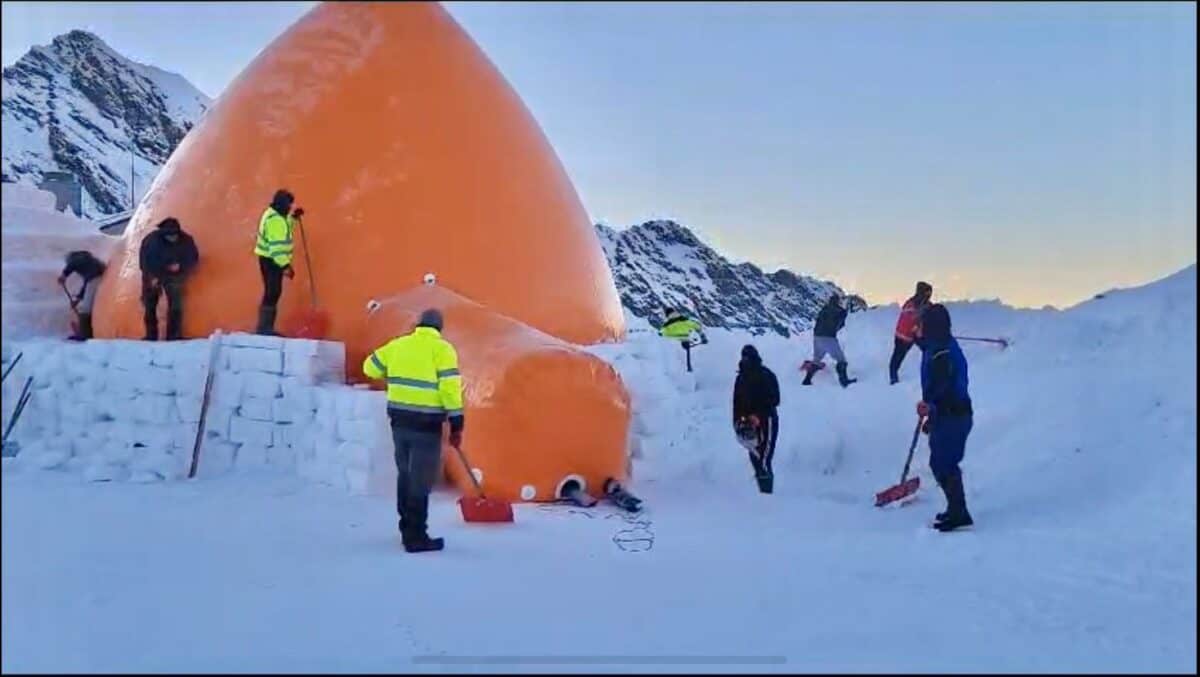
column 944, row 378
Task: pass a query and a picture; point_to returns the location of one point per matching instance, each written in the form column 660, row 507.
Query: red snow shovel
column 481, row 508
column 906, row 487
column 313, row 322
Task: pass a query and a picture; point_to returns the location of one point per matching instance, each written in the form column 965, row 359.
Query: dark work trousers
column 947, row 445
column 418, row 455
column 272, row 277
column 768, row 433
column 152, row 289
column 898, row 352
column 687, row 350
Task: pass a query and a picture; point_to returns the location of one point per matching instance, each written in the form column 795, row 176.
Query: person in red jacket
column 908, row 327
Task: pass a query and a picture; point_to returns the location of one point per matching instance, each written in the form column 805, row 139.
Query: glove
column 925, row 426
column 753, row 420
column 173, row 267
column 290, row 272
column 298, row 212
column 456, row 438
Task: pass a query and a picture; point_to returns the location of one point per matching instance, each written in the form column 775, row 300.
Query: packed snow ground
column 1080, row 473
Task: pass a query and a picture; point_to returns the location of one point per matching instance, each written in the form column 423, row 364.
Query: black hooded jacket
column 157, row 253
column 756, row 390
column 830, row 320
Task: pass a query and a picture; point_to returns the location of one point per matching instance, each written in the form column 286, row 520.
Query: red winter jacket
column 908, row 325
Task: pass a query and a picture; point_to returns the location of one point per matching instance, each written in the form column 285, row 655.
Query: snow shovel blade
column 309, row 323
column 897, row 492
column 478, row 509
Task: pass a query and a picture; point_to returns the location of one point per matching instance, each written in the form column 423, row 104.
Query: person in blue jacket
column 946, row 407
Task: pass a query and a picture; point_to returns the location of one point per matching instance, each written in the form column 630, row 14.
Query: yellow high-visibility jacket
column 678, row 327
column 275, row 237
column 423, row 383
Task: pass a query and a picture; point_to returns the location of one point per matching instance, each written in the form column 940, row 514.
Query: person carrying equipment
column 755, row 417
column 908, row 327
column 679, row 327
column 946, row 406
column 167, row 256
column 89, row 269
column 274, row 248
column 424, row 388
column 830, row 321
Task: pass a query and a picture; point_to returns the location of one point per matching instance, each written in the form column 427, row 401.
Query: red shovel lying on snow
column 481, row 508
column 906, row 487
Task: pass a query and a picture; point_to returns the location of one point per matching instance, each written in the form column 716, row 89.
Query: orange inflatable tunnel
column 539, row 412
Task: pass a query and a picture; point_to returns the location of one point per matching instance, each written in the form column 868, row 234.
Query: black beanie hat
column 935, row 322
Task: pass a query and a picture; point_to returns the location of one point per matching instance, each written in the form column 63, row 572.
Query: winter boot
column 808, row 374
column 266, row 321
column 842, row 378
column 85, row 326
column 956, row 515
column 766, row 483
column 894, row 379
column 424, row 544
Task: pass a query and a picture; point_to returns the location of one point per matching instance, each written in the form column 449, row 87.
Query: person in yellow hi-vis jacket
column 424, row 389
column 274, row 250
column 679, row 327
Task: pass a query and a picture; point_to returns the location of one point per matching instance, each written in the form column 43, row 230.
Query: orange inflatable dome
column 540, row 413
column 408, row 152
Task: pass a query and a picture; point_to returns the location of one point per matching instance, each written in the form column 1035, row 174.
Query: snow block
column 285, row 410
column 250, row 433
column 254, row 360
column 227, row 389
column 187, row 407
column 360, row 432
column 300, row 393
column 354, row 455
column 244, row 340
column 155, row 380
column 256, row 408
column 153, row 409
column 100, row 471
column 357, row 481
column 283, row 458
column 217, row 421
column 216, row 458
column 256, row 384
column 251, row 456
column 130, row 356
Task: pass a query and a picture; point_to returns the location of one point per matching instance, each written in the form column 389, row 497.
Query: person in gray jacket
column 829, row 321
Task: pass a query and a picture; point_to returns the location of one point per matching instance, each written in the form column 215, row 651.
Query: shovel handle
column 312, row 283
column 467, row 466
column 911, row 448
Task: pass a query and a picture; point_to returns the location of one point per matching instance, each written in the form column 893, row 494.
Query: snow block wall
column 117, row 410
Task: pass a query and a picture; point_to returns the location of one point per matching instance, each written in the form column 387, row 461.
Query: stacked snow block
column 110, row 410
column 130, row 410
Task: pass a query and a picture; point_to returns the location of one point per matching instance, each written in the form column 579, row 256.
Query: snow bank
column 130, row 410
column 34, row 239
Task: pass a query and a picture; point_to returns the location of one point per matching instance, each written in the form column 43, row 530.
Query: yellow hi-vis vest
column 678, row 327
column 422, row 375
column 275, row 237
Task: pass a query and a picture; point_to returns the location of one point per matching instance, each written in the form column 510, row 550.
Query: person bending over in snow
column 830, row 321
column 755, row 402
column 89, row 269
column 908, row 327
column 166, row 257
column 946, row 406
column 679, row 327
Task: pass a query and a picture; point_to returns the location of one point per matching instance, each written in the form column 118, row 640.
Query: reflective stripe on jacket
column 424, row 386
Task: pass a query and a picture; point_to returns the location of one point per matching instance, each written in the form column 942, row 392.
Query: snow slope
column 1080, row 472
column 34, row 239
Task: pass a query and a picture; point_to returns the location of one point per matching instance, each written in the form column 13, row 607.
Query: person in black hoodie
column 830, row 321
column 89, row 269
column 755, row 401
column 167, row 256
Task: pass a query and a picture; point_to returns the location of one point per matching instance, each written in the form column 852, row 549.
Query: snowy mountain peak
column 77, row 105
column 662, row 263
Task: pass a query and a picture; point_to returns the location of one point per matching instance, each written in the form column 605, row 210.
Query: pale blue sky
column 1033, row 152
